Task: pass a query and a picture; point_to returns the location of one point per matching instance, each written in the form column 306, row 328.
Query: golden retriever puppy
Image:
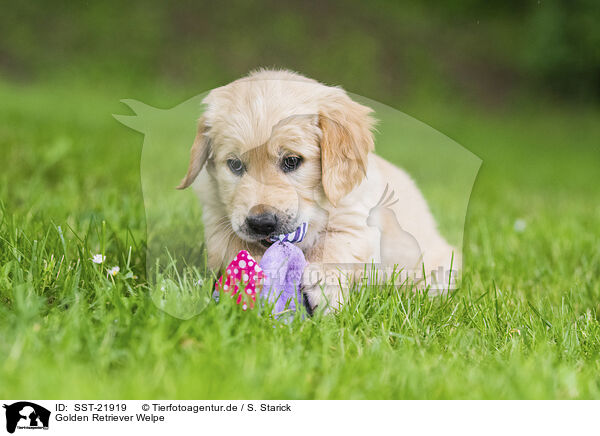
column 276, row 149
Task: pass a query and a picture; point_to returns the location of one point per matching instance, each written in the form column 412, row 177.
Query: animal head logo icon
column 26, row 415
column 443, row 170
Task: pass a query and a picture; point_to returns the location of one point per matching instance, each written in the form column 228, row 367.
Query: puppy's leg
column 341, row 261
column 326, row 286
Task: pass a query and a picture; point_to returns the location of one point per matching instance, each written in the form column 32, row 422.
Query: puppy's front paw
column 324, row 287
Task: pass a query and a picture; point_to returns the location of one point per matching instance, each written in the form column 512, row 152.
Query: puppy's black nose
column 262, row 224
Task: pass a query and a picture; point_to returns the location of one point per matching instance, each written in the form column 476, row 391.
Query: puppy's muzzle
column 263, row 224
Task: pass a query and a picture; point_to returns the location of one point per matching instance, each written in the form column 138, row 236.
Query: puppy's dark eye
column 236, row 166
column 290, row 163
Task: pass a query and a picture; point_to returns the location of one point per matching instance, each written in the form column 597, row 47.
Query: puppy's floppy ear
column 345, row 144
column 198, row 155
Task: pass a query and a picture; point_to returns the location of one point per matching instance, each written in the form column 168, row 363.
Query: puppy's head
column 271, row 141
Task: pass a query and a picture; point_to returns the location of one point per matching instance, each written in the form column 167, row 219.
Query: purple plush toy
column 283, row 264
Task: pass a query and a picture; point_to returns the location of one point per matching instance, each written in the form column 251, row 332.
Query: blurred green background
column 489, row 53
column 511, row 81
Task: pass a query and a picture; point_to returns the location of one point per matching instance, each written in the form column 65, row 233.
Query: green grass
column 525, row 323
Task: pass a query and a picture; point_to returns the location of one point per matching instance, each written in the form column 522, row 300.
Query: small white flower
column 520, row 225
column 200, row 282
column 98, row 258
column 114, row 271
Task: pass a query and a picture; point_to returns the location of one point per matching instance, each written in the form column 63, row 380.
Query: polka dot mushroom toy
column 242, row 280
column 277, row 279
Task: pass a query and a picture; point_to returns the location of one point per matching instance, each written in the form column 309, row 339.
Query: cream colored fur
column 270, row 114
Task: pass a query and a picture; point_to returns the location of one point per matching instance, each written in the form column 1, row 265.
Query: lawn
column 524, row 324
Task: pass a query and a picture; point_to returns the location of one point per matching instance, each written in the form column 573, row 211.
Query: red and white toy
column 243, row 279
